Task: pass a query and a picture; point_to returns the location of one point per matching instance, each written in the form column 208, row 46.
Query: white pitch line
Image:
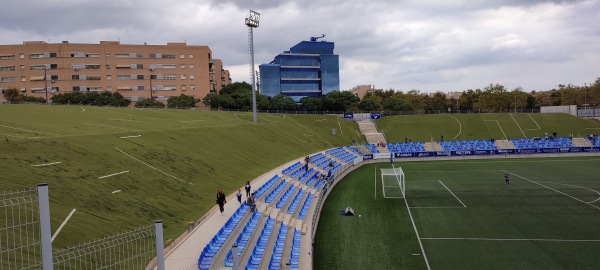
column 118, row 190
column 506, row 138
column 82, row 109
column 47, row 164
column 22, row 137
column 190, row 121
column 577, row 187
column 148, row 165
column 435, row 207
column 340, row 125
column 134, row 136
column 554, row 190
column 514, row 239
column 453, row 194
column 525, row 136
column 118, row 119
column 101, row 177
column 459, row 126
column 375, row 182
column 417, row 233
column 62, row 225
column 107, row 126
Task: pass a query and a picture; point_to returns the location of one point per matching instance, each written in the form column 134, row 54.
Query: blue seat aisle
column 277, row 256
column 261, row 245
column 242, row 240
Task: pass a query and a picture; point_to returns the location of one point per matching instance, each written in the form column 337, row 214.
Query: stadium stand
column 407, row 147
column 295, row 202
column 295, row 253
column 305, row 207
column 258, row 192
column 276, row 257
column 372, row 148
column 468, row 145
column 526, row 143
column 291, row 168
column 275, row 192
column 596, row 141
column 242, row 240
column 286, row 195
column 261, row 245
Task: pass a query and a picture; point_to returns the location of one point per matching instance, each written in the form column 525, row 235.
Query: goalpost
column 392, row 181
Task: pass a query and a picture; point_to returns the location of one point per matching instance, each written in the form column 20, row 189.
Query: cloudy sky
column 428, row 45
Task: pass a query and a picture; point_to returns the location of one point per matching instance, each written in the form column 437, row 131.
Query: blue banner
column 365, row 157
column 548, row 150
column 349, row 115
column 574, row 149
column 443, row 154
column 404, row 155
column 375, row 116
column 567, row 150
column 423, row 154
column 527, row 151
column 462, row 153
column 590, row 149
column 483, row 152
column 506, row 151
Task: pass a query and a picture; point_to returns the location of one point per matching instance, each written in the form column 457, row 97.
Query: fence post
column 160, row 246
column 46, row 235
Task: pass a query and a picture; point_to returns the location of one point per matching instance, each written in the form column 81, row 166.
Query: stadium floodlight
column 252, row 21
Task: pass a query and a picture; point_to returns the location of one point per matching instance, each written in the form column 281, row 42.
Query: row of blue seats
column 352, row 150
column 306, row 174
column 468, row 145
column 318, row 185
column 275, row 192
column 323, row 163
column 261, row 245
column 291, row 168
column 295, row 202
column 542, row 143
column 286, row 195
column 314, row 178
column 295, row 252
column 277, row 256
column 316, row 158
column 242, row 240
column 205, row 259
column 596, row 142
column 407, row 147
column 298, row 171
column 305, row 206
column 372, row 148
column 266, row 186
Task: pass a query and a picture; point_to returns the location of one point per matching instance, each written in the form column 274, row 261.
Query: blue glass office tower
column 309, row 69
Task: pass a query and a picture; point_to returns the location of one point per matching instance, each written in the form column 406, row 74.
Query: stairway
column 504, row 144
column 581, row 142
column 432, row 147
column 372, row 135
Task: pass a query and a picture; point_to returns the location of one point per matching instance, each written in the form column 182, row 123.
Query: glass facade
column 308, row 69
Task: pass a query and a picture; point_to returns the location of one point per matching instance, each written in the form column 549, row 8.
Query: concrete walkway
column 185, row 253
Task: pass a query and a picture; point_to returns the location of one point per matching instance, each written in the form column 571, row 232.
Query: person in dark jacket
column 221, row 201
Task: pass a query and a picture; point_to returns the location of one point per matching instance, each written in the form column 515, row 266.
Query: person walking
column 239, row 196
column 251, row 202
column 221, row 201
column 247, row 188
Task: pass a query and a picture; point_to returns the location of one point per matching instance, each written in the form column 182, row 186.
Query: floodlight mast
column 252, row 21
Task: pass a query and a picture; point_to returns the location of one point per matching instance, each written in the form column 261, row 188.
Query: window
column 92, row 55
column 76, row 89
column 109, row 88
column 93, row 77
column 22, row 67
column 191, row 66
column 123, row 66
column 7, row 56
column 54, row 78
column 36, row 55
column 182, row 66
column 192, row 87
column 122, row 55
column 22, row 55
column 23, row 90
column 107, row 55
column 12, row 79
column 168, row 56
column 168, row 66
column 182, row 77
column 169, row 77
column 183, row 88
column 92, row 66
column 123, row 77
column 140, row 77
column 181, row 56
column 52, row 54
column 95, row 88
column 192, row 77
column 7, row 68
column 107, row 66
column 23, row 78
column 191, row 56
column 74, row 77
column 108, row 77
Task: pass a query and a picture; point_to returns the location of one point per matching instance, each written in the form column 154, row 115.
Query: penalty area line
column 133, row 136
column 515, row 239
column 105, row 176
column 453, row 194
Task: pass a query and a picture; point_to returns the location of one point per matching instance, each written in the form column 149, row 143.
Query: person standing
column 247, row 188
column 507, row 179
column 239, row 196
column 221, row 201
column 251, row 202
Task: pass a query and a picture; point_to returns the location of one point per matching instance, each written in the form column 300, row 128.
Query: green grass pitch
column 466, row 217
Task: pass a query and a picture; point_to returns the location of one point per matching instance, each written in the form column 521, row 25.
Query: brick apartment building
column 132, row 70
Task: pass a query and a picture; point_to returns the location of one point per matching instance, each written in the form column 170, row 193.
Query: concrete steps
column 504, row 144
column 432, row 147
column 581, row 142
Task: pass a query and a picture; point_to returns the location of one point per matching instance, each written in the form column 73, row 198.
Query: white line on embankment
column 149, row 166
column 47, row 164
column 524, row 136
column 459, row 126
column 536, row 123
column 32, row 131
column 506, row 138
column 105, row 176
column 133, row 136
column 118, row 190
column 62, row 225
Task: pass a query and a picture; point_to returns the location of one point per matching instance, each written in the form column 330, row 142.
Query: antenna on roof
column 315, row 38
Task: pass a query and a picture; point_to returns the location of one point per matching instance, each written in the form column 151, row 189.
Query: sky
column 427, row 45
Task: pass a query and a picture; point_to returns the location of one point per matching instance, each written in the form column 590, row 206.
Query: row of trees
column 494, row 97
column 13, row 95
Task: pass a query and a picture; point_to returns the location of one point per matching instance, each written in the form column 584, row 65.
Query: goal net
column 392, row 181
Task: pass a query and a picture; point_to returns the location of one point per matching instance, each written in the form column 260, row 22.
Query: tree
column 149, row 103
column 12, row 95
column 468, row 99
column 518, row 99
column 340, row 101
column 396, row 103
column 494, row 98
column 312, row 103
column 283, row 102
column 438, row 102
column 370, row 103
column 416, row 100
column 181, row 101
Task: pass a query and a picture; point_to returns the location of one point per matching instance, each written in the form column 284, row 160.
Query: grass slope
column 548, row 199
column 483, row 126
column 198, row 152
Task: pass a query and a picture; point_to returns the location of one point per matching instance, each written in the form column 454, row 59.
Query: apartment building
column 137, row 72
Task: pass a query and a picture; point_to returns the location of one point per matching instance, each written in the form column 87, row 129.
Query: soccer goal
column 392, row 181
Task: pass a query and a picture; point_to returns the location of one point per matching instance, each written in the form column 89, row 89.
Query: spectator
column 405, row 140
column 221, row 201
column 251, row 202
column 239, row 196
column 571, row 136
column 554, row 134
column 247, row 188
column 442, row 139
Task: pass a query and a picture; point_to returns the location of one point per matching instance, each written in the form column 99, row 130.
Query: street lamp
column 151, row 97
column 585, row 98
column 46, row 83
column 252, row 21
